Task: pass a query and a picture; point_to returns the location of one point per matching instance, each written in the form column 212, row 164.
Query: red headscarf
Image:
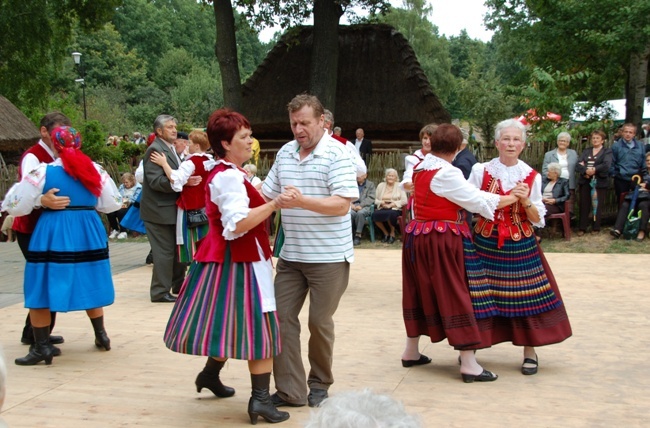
column 67, row 141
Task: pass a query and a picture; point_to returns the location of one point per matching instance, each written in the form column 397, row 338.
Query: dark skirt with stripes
column 219, row 314
column 191, row 237
column 530, row 308
column 444, row 290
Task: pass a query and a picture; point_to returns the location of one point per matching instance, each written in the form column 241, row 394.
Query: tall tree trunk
column 325, row 52
column 226, row 51
column 636, row 87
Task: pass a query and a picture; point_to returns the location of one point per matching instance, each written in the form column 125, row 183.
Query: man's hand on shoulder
column 53, row 202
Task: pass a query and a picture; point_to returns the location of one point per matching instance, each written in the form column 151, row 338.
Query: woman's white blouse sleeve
column 228, row 192
column 182, row 174
column 110, row 199
column 536, row 199
column 450, row 184
column 25, row 195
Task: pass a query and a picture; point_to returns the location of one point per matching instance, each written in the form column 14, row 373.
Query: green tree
column 432, row 50
column 35, row 34
column 485, row 100
column 570, row 36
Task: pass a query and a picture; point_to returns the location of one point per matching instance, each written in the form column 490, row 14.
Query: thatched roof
column 16, row 131
column 381, row 86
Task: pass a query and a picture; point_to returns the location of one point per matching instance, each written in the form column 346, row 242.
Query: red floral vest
column 433, row 212
column 511, row 221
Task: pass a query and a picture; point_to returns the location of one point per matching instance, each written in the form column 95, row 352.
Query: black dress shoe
column 529, row 366
column 485, row 376
column 356, row 241
column 166, row 298
column 280, row 402
column 391, row 240
column 56, row 351
column 149, row 259
column 384, row 239
column 422, row 360
column 316, row 396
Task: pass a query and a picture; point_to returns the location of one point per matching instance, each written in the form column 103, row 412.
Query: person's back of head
column 362, row 409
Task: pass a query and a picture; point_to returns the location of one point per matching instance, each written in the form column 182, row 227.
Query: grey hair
column 3, row 379
column 328, row 116
column 389, row 170
column 250, row 168
column 161, row 120
column 554, row 166
column 509, row 123
column 565, row 135
column 362, row 409
column 337, row 128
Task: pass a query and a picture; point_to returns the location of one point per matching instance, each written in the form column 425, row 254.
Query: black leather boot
column 260, row 403
column 209, row 378
column 41, row 351
column 101, row 338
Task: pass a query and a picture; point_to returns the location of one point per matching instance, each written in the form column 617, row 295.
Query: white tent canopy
column 619, row 110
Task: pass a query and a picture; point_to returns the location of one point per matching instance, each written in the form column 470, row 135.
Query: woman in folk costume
column 531, row 310
column 444, row 290
column 226, row 307
column 198, row 163
column 68, row 246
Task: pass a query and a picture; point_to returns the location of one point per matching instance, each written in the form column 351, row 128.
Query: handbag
column 196, row 218
column 631, row 226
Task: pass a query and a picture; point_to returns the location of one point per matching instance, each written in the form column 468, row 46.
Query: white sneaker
column 122, row 235
column 113, row 234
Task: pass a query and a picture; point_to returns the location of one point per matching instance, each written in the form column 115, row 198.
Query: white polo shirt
column 327, row 171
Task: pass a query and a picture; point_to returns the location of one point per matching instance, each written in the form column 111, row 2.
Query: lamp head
column 77, row 57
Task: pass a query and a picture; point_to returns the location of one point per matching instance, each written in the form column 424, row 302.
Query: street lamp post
column 77, row 60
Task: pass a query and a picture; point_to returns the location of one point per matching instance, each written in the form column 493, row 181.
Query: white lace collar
column 509, row 176
column 432, row 162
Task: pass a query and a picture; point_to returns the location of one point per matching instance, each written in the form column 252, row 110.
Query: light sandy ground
column 597, row 378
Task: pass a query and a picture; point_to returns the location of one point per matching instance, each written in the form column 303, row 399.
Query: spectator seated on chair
column 389, row 200
column 642, row 204
column 555, row 190
column 362, row 207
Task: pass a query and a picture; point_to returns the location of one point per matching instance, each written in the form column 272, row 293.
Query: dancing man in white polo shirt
column 315, row 258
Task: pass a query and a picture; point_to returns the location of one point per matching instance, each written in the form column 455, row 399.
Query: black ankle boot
column 101, row 338
column 209, row 378
column 41, row 351
column 260, row 403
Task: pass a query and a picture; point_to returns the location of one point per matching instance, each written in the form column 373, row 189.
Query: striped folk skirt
column 191, row 237
column 444, row 290
column 530, row 308
column 219, row 314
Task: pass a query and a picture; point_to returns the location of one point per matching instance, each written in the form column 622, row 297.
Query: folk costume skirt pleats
column 191, row 237
column 444, row 290
column 530, row 307
column 67, row 267
column 219, row 314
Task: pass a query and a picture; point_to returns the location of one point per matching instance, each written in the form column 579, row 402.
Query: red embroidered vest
column 213, row 247
column 27, row 223
column 511, row 221
column 433, row 212
column 193, row 197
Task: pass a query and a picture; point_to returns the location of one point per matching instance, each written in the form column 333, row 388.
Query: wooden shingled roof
column 16, row 130
column 381, row 86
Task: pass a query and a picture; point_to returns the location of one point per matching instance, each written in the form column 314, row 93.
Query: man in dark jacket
column 628, row 159
column 360, row 208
